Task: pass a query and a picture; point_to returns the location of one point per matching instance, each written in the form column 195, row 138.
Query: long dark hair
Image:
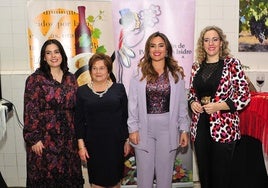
column 44, row 67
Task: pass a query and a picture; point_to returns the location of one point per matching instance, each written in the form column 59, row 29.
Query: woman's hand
column 83, row 154
column 212, row 107
column 134, row 137
column 183, row 142
column 38, row 148
column 127, row 148
column 196, row 107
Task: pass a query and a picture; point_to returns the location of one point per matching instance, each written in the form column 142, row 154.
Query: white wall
column 15, row 67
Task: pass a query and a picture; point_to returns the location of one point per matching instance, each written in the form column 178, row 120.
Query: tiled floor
column 86, row 185
column 196, row 185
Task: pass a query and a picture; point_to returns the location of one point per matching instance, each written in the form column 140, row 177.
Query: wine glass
column 260, row 80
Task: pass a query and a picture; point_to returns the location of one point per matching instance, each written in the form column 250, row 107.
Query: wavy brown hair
column 200, row 51
column 171, row 64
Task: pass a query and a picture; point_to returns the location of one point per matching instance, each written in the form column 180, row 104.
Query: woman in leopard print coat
column 218, row 90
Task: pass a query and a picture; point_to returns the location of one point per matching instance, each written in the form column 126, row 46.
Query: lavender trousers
column 158, row 160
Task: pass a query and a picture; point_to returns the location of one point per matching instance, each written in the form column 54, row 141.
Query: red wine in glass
column 260, row 81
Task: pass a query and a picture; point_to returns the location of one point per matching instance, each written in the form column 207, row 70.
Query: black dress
column 102, row 123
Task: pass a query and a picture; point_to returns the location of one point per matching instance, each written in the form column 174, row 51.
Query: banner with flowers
column 133, row 22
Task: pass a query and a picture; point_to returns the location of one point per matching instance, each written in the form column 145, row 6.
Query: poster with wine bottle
column 83, row 27
column 253, row 26
column 115, row 27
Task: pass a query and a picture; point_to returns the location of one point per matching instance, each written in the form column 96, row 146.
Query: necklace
column 100, row 94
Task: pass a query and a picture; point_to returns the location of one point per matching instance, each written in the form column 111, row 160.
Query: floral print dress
column 49, row 117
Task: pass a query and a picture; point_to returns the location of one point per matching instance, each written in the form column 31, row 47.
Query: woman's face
column 157, row 49
column 99, row 72
column 53, row 56
column 212, row 44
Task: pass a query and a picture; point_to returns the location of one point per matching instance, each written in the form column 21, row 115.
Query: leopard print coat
column 224, row 125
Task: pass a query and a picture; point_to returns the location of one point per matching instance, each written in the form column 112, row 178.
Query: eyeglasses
column 213, row 40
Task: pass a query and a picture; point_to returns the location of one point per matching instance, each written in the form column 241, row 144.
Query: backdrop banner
column 133, row 22
column 118, row 28
column 83, row 27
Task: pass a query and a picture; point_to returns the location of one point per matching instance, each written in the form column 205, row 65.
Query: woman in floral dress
column 49, row 100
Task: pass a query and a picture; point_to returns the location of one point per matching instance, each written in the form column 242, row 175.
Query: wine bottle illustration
column 82, row 33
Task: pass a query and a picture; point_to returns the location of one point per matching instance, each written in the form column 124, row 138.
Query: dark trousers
column 214, row 160
column 248, row 164
column 2, row 182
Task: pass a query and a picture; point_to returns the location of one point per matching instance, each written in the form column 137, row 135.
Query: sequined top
column 158, row 95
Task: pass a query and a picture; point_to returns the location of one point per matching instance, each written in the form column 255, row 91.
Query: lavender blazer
column 137, row 111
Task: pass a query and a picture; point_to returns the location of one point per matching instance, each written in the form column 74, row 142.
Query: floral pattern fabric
column 49, row 117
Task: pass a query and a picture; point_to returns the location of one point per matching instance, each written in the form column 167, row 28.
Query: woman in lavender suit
column 158, row 113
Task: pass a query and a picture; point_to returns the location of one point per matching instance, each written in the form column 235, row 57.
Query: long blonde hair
column 201, row 54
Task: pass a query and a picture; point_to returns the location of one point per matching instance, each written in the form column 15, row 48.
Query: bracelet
column 191, row 101
column 127, row 141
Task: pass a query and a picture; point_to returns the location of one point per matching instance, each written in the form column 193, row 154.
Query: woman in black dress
column 101, row 124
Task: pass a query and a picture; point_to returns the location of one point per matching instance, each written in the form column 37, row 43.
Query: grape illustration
column 258, row 28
